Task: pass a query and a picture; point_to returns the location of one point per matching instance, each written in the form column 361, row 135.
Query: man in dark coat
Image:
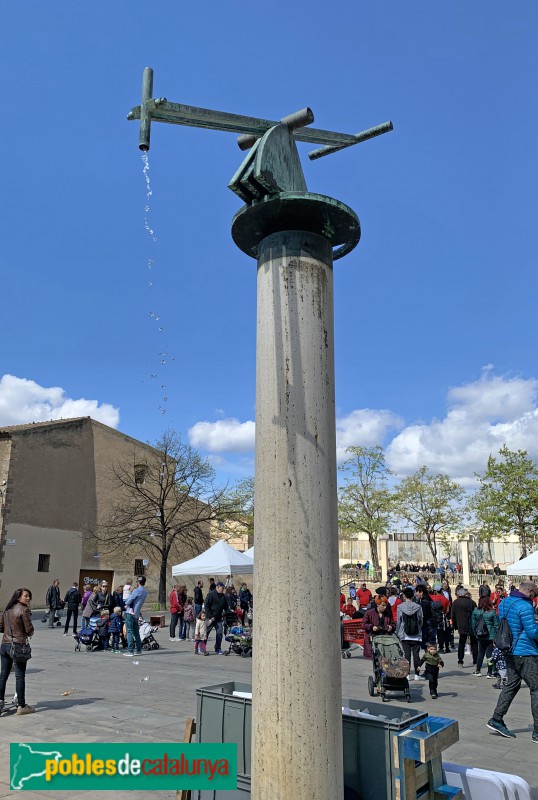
column 72, row 599
column 462, row 609
column 198, row 597
column 215, row 608
column 429, row 627
column 53, row 601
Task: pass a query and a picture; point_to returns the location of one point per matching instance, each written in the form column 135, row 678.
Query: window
column 139, row 568
column 140, row 471
column 43, row 562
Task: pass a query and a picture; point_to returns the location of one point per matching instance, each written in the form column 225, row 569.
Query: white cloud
column 365, row 427
column 23, row 400
column 223, row 436
column 481, row 417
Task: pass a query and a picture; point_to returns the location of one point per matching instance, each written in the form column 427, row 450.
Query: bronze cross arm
column 249, row 128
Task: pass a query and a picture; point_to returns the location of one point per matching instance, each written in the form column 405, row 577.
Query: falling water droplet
column 163, row 361
column 165, row 399
column 161, row 330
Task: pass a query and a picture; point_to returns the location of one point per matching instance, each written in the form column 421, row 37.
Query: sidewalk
column 112, row 703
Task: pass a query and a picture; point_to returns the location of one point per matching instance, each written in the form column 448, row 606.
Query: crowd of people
column 426, row 617
column 193, row 618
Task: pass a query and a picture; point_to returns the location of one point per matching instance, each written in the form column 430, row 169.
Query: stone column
column 383, row 553
column 465, row 563
column 297, row 697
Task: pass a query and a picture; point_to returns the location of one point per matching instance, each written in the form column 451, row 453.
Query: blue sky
column 435, row 309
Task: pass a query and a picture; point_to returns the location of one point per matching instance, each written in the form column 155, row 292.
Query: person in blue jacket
column 522, row 662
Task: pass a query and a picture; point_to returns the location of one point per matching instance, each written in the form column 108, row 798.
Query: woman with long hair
column 484, row 625
column 16, row 626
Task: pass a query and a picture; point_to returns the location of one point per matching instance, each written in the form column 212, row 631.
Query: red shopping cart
column 352, row 636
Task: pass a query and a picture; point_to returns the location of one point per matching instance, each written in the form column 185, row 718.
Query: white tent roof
column 220, row 559
column 249, row 552
column 527, row 566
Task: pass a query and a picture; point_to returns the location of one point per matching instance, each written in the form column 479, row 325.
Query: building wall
column 410, row 550
column 24, row 545
column 61, row 487
column 51, row 478
column 5, row 458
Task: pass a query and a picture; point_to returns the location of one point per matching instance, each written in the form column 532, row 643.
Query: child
column 102, row 629
column 200, row 634
column 498, row 661
column 189, row 618
column 114, row 627
column 433, row 661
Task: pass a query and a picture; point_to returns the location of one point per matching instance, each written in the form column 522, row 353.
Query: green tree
column 365, row 501
column 506, row 501
column 166, row 500
column 238, row 515
column 432, row 506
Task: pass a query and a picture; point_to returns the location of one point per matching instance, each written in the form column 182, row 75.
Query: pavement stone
column 111, row 702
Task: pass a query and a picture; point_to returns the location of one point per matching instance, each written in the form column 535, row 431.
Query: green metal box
column 368, row 750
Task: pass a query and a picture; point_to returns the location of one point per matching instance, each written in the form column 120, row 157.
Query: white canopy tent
column 527, row 566
column 250, row 552
column 220, row 559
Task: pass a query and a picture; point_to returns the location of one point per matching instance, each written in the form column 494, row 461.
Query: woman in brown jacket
column 16, row 617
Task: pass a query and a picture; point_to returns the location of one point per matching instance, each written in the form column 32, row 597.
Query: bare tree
column 166, row 502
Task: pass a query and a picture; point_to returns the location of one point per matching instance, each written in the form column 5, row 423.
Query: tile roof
column 28, row 426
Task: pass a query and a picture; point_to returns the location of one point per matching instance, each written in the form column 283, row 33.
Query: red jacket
column 364, row 596
column 445, row 602
column 176, row 606
column 394, row 607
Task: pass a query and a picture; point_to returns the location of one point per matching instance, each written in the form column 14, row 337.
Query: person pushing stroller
column 377, row 621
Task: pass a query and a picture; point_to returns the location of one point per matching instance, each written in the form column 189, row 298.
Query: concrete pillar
column 383, row 553
column 297, row 696
column 465, row 562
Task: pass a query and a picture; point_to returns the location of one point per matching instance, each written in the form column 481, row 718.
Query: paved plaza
column 110, row 702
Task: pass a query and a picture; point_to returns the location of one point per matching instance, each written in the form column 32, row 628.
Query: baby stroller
column 229, row 621
column 86, row 637
column 391, row 668
column 147, row 638
column 57, row 617
column 240, row 640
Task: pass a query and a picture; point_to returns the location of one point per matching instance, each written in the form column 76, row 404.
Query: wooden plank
column 190, row 730
column 433, row 745
column 435, row 772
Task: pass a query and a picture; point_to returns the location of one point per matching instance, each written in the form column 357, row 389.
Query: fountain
column 295, row 236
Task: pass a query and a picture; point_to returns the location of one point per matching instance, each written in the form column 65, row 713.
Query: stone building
column 56, row 486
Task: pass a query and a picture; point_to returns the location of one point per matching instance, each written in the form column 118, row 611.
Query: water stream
column 162, row 357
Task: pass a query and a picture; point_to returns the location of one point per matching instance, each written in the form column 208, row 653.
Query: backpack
column 482, row 630
column 410, row 623
column 504, row 641
column 439, row 618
